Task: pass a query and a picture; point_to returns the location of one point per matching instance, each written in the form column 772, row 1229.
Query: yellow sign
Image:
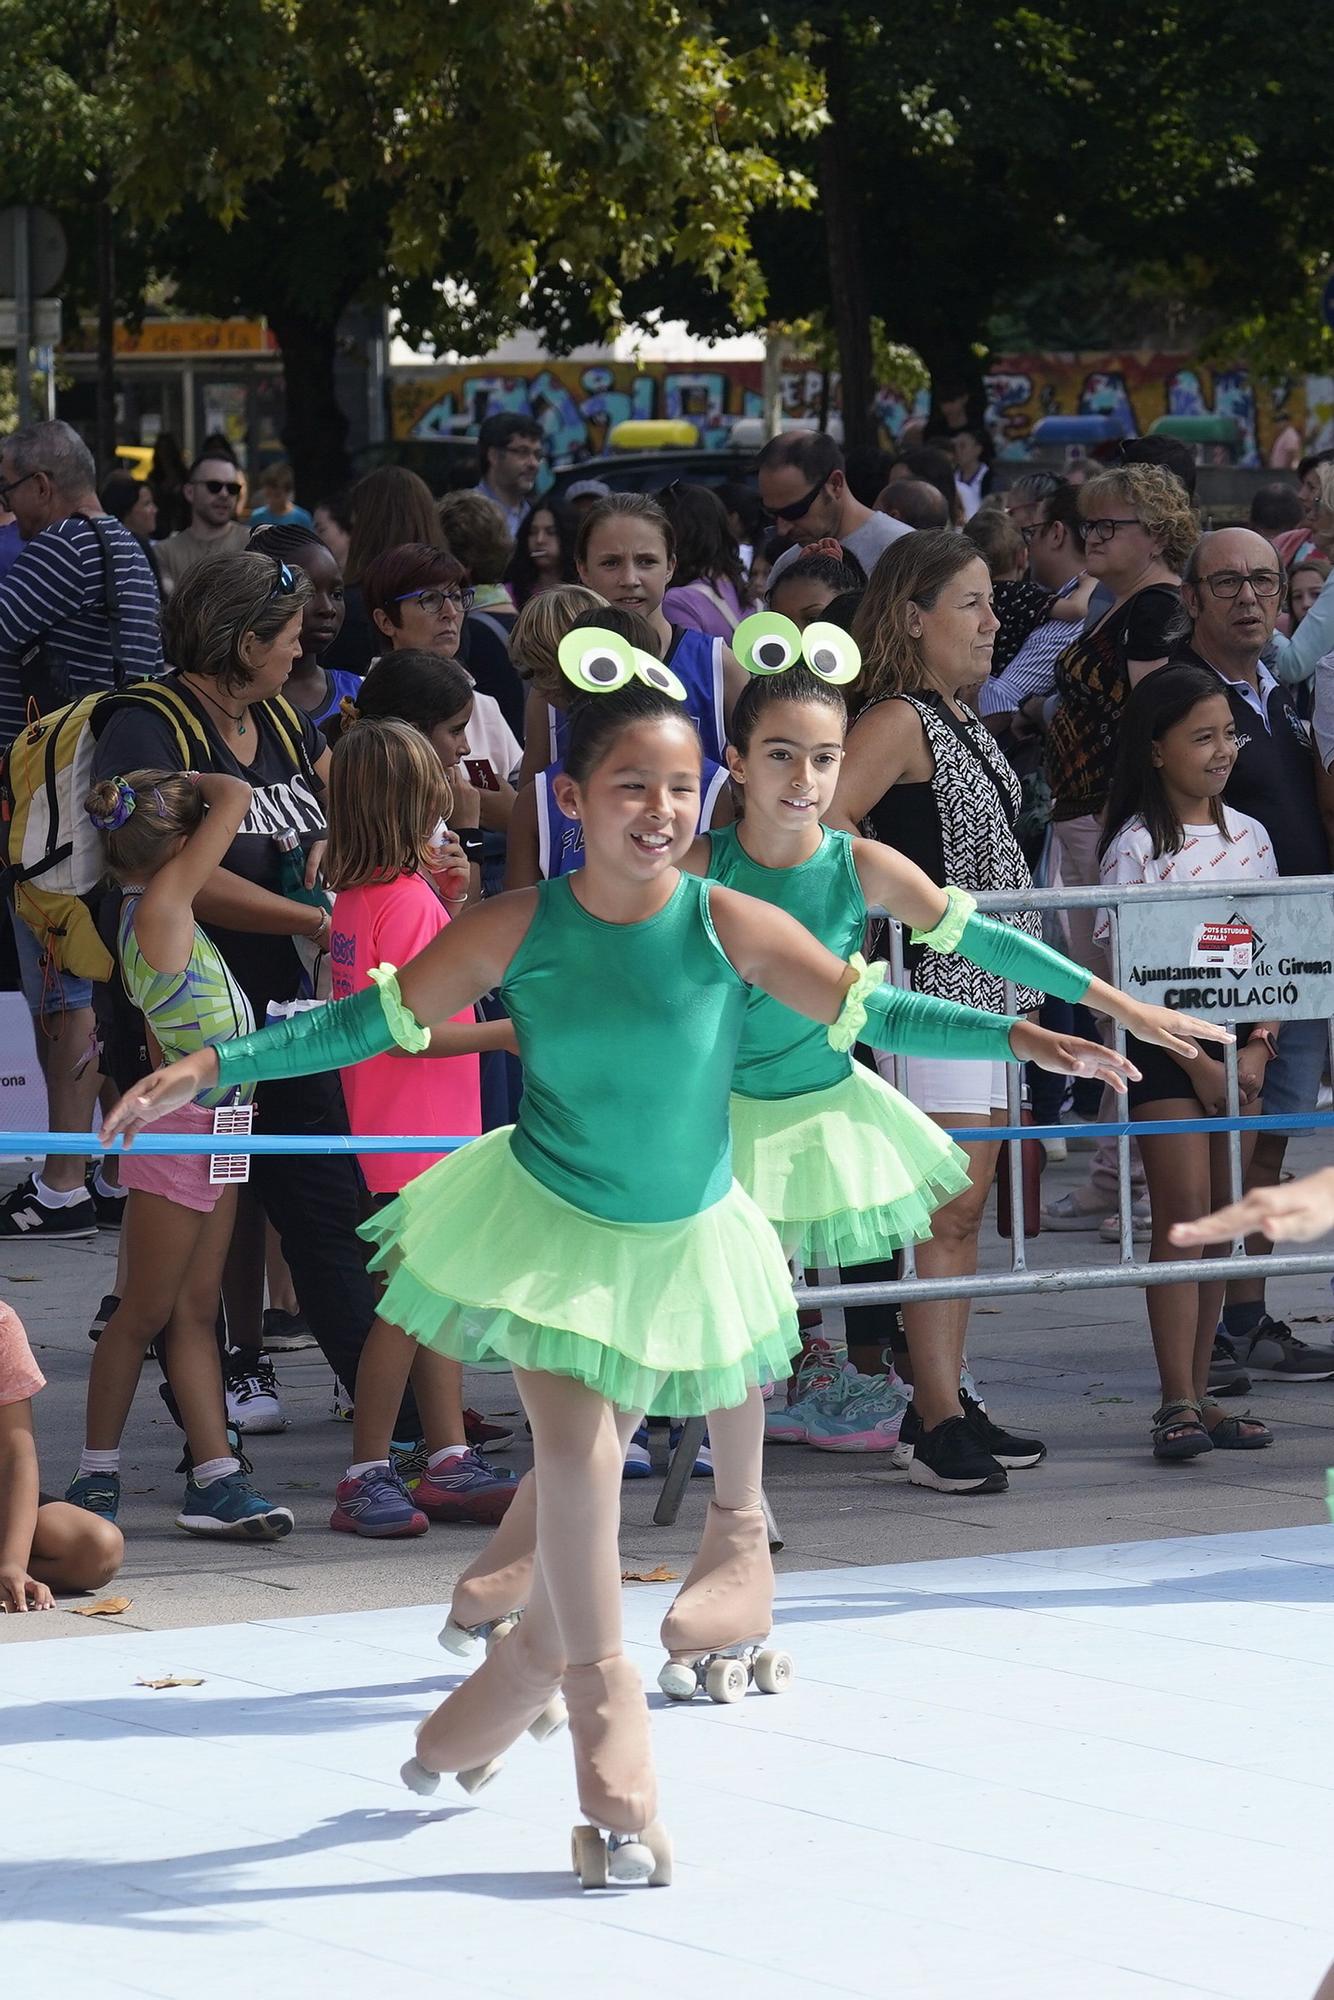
column 196, row 336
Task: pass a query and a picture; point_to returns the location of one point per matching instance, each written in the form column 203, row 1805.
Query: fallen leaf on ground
column 986, row 1309
column 658, row 1575
column 105, row 1607
column 171, row 1681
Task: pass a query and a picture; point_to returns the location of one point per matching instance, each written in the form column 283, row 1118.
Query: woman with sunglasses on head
column 234, row 632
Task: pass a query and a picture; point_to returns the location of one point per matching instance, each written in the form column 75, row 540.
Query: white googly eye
column 656, row 675
column 767, row 643
column 595, row 661
column 831, row 653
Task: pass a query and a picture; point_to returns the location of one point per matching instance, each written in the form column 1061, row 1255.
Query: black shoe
column 23, row 1215
column 108, row 1208
column 284, row 1332
column 950, row 1458
column 1226, row 1374
column 1004, row 1446
column 110, row 1304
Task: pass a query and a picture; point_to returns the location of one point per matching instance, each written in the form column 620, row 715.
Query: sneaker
column 97, row 1493
column 1080, row 1208
column 483, row 1435
column 109, row 1209
column 376, row 1504
column 951, row 1458
column 1274, row 1354
column 464, row 1488
column 703, row 1466
column 23, row 1215
column 1017, row 1453
column 252, row 1393
column 909, row 1432
column 867, row 1418
column 109, row 1305
column 638, row 1464
column 230, row 1509
column 1141, row 1224
column 286, row 1333
column 1225, row 1371
column 823, row 1369
column 1056, row 1151
column 187, row 1463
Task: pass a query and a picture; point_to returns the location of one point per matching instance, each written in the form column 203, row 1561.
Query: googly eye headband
column 600, row 662
column 767, row 643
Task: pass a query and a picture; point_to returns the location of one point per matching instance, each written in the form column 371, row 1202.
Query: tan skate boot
column 499, row 1580
column 613, row 1765
column 723, row 1612
column 477, row 1723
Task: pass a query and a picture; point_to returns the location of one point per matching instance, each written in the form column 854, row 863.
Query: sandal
column 1227, row 1434
column 1179, row 1431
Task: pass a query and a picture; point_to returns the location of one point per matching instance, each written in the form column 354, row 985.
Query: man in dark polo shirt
column 1231, row 591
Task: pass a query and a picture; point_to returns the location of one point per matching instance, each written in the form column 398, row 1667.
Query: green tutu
column 848, row 1174
column 675, row 1318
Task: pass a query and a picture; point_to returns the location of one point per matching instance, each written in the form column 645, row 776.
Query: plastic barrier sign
column 1254, row 959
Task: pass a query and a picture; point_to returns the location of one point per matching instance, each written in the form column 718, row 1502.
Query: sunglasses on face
column 216, row 486
column 434, row 601
column 795, row 509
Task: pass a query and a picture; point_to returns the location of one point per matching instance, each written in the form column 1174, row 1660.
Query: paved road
column 1074, row 1367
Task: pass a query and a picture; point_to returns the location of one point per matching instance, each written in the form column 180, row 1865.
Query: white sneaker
column 252, row 1394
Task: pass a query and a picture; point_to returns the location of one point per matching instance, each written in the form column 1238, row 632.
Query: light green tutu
column 845, row 1175
column 675, row 1318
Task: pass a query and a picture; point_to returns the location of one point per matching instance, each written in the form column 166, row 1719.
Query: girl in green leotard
column 600, row 1247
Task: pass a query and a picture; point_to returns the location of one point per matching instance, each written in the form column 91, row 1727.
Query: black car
column 650, row 471
column 445, row 463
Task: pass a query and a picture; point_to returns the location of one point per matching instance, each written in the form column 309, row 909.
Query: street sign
column 1246, row 958
column 47, row 252
column 45, row 323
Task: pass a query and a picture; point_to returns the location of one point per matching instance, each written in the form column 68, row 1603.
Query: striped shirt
column 56, row 591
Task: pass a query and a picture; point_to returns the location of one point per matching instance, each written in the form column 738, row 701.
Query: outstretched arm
column 1296, row 1211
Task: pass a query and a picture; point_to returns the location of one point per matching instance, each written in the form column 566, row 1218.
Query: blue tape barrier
column 340, row 1142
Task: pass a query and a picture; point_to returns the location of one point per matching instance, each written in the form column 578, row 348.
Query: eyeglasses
column 796, row 508
column 1031, row 530
column 434, row 601
column 216, row 486
column 12, row 486
column 1103, row 529
column 1230, row 582
column 284, row 583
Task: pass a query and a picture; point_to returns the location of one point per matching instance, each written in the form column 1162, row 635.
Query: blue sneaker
column 376, row 1505
column 97, row 1493
column 823, row 1385
column 703, row 1466
column 638, row 1464
column 230, row 1507
column 866, row 1418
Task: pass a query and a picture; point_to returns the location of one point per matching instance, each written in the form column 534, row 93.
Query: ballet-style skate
column 715, row 1631
column 490, row 1595
column 621, row 1840
column 474, row 1726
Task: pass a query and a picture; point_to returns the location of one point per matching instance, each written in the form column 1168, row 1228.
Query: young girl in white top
column 1166, row 822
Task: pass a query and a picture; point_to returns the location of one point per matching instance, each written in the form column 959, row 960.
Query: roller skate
column 730, row 1585
column 494, row 1588
column 621, row 1841
column 473, row 1727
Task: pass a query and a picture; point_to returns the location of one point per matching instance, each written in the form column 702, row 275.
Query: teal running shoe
column 867, row 1418
column 97, row 1493
column 823, row 1384
column 229, row 1508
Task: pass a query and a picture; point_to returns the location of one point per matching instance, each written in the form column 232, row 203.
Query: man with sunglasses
column 1232, row 591
column 211, row 492
column 805, row 490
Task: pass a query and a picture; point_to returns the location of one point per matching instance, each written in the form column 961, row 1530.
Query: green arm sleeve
column 917, row 1024
column 333, row 1037
column 1002, row 949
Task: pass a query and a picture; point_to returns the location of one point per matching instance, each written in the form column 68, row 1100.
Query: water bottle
column 292, row 871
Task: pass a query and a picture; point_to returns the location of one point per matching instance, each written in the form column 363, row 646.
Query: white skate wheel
column 553, row 1717
column 480, row 1774
column 460, row 1639
column 499, row 1630
column 677, row 1681
column 418, row 1779
column 658, row 1841
column 588, row 1857
column 773, row 1672
column 726, row 1680
column 630, row 1860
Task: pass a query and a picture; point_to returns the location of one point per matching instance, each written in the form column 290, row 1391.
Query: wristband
column 471, row 839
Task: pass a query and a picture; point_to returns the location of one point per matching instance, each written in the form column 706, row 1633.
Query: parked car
column 445, row 463
column 650, row 471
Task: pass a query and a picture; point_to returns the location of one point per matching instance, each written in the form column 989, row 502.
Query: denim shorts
column 46, row 988
column 1292, row 1078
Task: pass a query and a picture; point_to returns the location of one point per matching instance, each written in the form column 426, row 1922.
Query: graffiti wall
column 1140, row 386
column 575, row 402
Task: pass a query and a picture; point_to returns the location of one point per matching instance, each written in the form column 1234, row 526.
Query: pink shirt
column 709, row 606
column 387, row 923
column 20, row 1377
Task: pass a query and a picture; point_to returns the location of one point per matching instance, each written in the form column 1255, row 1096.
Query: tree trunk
column 106, row 339
column 315, row 432
column 847, row 270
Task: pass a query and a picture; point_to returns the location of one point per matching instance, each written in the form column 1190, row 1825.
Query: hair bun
column 110, row 803
column 349, row 711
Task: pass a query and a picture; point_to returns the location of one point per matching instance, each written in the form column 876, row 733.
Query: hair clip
column 768, row 643
column 599, row 662
column 116, row 816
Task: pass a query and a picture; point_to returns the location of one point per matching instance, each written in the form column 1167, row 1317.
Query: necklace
column 238, row 719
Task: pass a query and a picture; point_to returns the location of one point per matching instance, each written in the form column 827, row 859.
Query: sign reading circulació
column 1255, row 958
